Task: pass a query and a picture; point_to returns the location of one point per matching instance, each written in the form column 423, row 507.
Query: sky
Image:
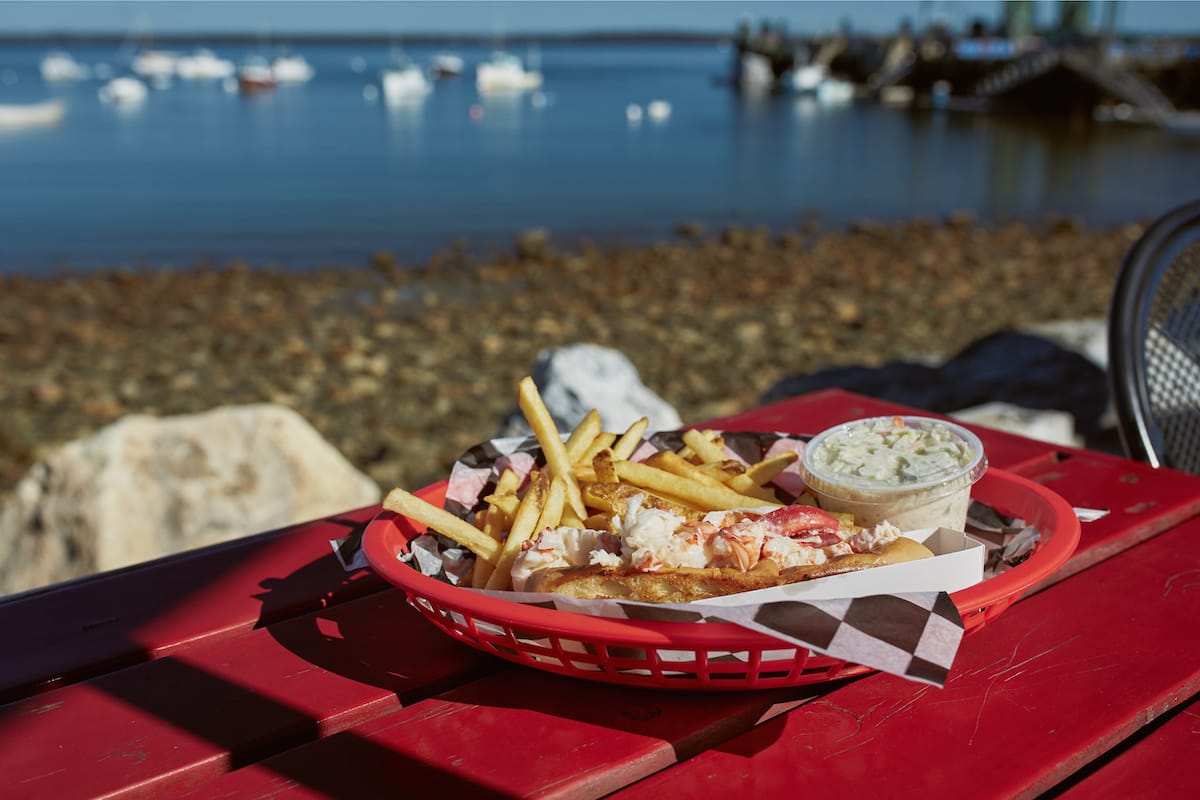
column 511, row 17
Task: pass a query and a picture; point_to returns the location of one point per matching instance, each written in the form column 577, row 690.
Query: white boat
column 658, row 110
column 815, row 80
column 123, row 91
column 256, row 75
column 756, row 75
column 155, row 65
column 59, row 67
column 806, row 78
column 835, row 91
column 204, row 65
column 292, row 69
column 446, row 65
column 32, row 115
column 404, row 83
column 504, row 72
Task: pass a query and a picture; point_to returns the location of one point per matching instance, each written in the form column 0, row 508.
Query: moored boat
column 59, row 67
column 204, row 65
column 404, row 83
column 292, row 69
column 123, row 91
column 504, row 72
column 32, row 115
column 256, row 75
column 446, row 65
column 155, row 65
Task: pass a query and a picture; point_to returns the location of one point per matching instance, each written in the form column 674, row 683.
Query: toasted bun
column 685, row 584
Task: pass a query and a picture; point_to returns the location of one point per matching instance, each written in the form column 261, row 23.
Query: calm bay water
column 319, row 174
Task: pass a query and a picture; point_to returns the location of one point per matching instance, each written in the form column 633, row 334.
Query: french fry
column 724, row 471
column 507, row 503
column 768, row 468
column 569, row 519
column 623, row 448
column 705, row 448
column 480, row 573
column 602, row 440
column 508, row 482
column 733, row 474
column 602, row 465
column 552, row 508
column 666, row 460
column 583, row 435
column 807, row 499
column 685, row 489
column 611, row 498
column 536, row 414
column 497, row 521
column 600, row 521
column 743, row 485
column 524, row 524
column 445, row 523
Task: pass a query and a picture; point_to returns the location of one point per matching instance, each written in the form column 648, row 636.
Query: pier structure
column 1070, row 68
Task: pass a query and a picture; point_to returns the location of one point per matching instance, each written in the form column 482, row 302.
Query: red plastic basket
column 683, row 655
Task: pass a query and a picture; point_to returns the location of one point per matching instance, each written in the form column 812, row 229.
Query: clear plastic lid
column 894, row 454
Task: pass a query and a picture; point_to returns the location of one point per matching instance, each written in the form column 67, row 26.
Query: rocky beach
column 401, row 367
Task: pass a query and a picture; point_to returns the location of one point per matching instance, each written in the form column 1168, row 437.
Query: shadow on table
column 461, row 687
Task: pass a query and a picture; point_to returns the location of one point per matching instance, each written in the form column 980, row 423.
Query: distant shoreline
column 63, row 38
column 607, row 37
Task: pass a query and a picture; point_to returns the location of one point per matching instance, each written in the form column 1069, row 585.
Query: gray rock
column 575, row 379
column 145, row 487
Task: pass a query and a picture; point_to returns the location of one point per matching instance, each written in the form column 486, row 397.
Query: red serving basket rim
column 387, row 535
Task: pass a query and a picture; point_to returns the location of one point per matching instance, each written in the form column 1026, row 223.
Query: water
column 318, row 174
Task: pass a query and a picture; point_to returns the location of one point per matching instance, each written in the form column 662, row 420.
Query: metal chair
column 1154, row 343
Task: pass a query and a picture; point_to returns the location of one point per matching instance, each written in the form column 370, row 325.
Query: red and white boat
column 256, row 75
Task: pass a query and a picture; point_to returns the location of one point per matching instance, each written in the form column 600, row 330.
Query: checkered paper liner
column 914, row 635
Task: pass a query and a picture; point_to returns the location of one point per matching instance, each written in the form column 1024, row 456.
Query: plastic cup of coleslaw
column 914, row 472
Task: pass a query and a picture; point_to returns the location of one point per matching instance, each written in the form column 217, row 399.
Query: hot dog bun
column 683, row 584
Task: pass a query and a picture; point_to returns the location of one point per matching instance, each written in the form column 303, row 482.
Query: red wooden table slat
column 518, row 733
column 1038, row 693
column 1142, row 501
column 172, row 723
column 1162, row 764
column 112, row 620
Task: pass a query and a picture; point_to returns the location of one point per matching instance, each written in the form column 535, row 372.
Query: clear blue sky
column 534, row 16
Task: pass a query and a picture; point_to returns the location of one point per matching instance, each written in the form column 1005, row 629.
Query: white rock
column 575, row 379
column 145, row 487
column 1055, row 427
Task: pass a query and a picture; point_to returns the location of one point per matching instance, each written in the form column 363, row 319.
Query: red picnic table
column 263, row 668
